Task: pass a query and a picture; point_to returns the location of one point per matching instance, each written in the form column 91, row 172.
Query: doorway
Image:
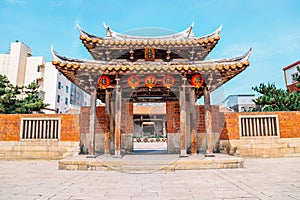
column 149, row 128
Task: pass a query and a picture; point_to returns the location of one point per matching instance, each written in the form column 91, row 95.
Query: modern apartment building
column 22, row 68
column 290, row 73
column 240, row 102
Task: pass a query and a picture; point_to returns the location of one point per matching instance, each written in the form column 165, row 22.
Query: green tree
column 11, row 101
column 273, row 99
column 8, row 95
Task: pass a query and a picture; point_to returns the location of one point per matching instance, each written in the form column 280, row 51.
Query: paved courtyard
column 260, row 179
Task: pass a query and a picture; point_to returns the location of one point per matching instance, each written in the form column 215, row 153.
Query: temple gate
column 168, row 69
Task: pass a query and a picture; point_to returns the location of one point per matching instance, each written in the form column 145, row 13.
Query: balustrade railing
column 258, row 125
column 40, row 128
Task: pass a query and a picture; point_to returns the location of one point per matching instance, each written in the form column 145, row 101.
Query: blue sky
column 270, row 27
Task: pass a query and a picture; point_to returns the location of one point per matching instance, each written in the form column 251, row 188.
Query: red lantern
column 103, row 82
column 133, row 81
column 197, row 80
column 168, row 81
column 150, row 81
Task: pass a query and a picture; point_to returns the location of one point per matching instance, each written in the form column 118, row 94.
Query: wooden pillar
column 208, row 123
column 107, row 133
column 118, row 107
column 193, row 122
column 112, row 123
column 92, row 122
column 183, row 146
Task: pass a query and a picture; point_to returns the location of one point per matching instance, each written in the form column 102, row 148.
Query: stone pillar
column 164, row 127
column 118, row 107
column 107, row 134
column 183, row 146
column 193, row 122
column 112, row 123
column 92, row 122
column 208, row 123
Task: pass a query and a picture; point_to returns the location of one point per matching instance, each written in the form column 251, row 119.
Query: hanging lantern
column 103, row 82
column 197, row 80
column 133, row 81
column 168, row 81
column 150, row 81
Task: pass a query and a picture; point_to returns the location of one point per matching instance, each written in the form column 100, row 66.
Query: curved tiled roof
column 185, row 37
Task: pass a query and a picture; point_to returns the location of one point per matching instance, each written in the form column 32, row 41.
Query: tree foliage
column 273, row 99
column 17, row 99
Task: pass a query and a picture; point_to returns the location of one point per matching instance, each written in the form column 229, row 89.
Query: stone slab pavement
column 273, row 178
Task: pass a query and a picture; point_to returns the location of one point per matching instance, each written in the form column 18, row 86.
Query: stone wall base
column 126, row 143
column 267, row 147
column 173, row 142
column 201, row 142
column 38, row 149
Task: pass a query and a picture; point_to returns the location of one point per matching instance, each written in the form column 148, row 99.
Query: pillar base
column 91, row 156
column 117, row 154
column 183, row 154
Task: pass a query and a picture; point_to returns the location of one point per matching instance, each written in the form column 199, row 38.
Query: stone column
column 112, row 122
column 208, row 123
column 92, row 122
column 183, row 146
column 118, row 107
column 193, row 122
column 107, row 133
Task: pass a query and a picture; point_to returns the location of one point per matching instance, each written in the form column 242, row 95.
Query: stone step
column 133, row 164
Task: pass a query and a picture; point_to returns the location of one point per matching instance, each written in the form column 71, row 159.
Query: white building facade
column 240, row 102
column 21, row 69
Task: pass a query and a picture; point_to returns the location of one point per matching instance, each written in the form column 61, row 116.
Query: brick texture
column 102, row 120
column 217, row 119
column 10, row 126
column 127, row 118
column 173, row 117
column 289, row 124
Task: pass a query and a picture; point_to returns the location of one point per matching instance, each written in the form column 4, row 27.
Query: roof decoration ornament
column 183, row 35
column 116, row 55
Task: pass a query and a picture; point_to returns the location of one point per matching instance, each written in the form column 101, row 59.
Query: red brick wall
column 173, row 117
column 289, row 124
column 127, row 124
column 217, row 119
column 69, row 127
column 10, row 126
column 102, row 120
column 200, row 119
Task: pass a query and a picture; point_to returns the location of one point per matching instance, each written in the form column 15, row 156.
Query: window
column 58, row 98
column 295, row 76
column 59, row 85
column 67, row 89
column 57, row 110
column 66, row 101
column 38, row 68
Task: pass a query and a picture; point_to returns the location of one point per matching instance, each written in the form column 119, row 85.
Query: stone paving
column 260, row 179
